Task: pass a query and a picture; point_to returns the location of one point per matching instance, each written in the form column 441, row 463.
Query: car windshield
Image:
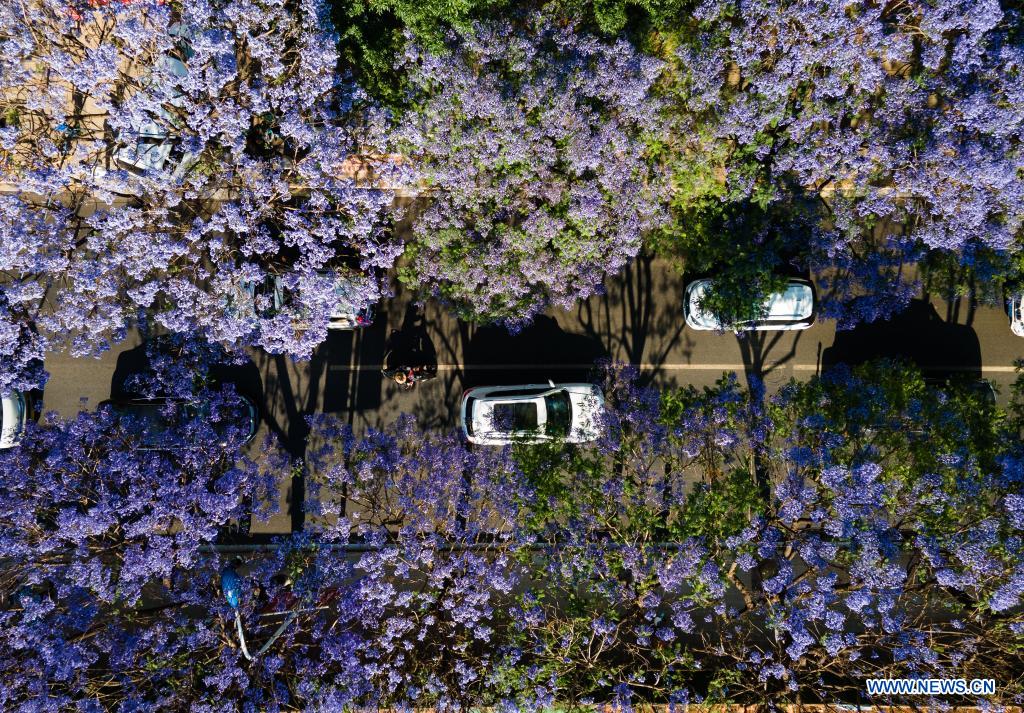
column 559, row 413
column 515, row 416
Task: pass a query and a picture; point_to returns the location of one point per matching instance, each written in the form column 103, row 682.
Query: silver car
column 14, row 414
column 532, row 413
column 793, row 308
column 1015, row 308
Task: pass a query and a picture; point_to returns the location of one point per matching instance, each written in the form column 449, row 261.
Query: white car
column 1015, row 308
column 533, row 413
column 14, row 414
column 793, row 308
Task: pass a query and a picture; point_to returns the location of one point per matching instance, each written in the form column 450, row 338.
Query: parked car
column 15, row 410
column 532, row 413
column 1015, row 308
column 793, row 308
column 155, row 418
column 151, row 145
column 347, row 312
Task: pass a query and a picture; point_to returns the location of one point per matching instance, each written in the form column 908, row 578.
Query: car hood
column 587, row 415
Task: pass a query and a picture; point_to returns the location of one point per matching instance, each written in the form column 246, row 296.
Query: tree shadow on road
column 491, row 355
column 540, row 351
column 353, row 379
column 756, row 352
column 286, row 409
column 293, row 392
column 639, row 319
column 239, row 371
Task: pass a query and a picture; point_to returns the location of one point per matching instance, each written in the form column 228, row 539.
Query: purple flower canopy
column 179, row 163
column 530, row 136
column 913, row 113
column 190, row 164
column 687, row 536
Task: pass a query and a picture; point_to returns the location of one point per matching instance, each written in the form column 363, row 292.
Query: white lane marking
column 643, row 366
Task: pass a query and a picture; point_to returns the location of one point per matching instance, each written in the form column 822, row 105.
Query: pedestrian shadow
column 540, row 351
column 438, row 399
column 918, row 335
column 411, row 345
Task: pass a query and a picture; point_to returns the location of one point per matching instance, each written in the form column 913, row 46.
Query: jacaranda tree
column 530, row 136
column 174, row 161
column 715, row 545
column 96, row 526
column 904, row 117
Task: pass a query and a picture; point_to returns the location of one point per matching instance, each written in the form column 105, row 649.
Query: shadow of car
column 918, row 335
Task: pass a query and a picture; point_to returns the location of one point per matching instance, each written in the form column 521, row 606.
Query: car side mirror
column 551, row 383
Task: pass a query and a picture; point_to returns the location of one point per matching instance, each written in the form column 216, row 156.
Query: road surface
column 638, row 320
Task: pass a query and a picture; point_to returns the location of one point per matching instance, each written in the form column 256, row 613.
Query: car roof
column 795, row 302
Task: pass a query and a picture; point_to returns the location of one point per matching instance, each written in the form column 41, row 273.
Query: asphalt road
column 638, row 320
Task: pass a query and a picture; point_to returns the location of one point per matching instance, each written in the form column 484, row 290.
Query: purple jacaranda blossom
column 536, row 165
column 911, row 134
column 434, row 574
column 202, row 176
